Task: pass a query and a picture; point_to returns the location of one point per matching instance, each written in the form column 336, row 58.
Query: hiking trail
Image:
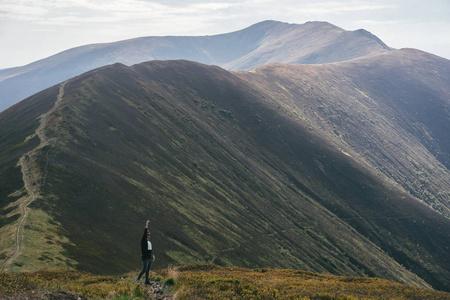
column 31, row 176
column 157, row 291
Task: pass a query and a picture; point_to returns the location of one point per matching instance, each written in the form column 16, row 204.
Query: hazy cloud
column 55, row 25
column 56, row 12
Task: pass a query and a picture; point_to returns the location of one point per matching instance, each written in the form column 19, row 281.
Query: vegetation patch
column 47, row 251
column 24, row 285
column 214, row 282
column 207, row 281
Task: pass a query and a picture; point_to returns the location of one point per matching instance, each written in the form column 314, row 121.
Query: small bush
column 169, row 281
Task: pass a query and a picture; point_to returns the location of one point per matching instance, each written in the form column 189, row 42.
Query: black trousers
column 146, row 264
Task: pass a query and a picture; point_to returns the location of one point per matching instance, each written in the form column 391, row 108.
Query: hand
column 146, row 223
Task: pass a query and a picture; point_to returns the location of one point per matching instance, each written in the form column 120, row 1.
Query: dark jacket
column 144, row 248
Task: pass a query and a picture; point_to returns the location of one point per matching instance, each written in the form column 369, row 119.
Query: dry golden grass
column 212, row 282
column 91, row 286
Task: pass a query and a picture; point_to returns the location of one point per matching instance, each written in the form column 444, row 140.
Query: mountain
column 268, row 41
column 289, row 166
column 388, row 111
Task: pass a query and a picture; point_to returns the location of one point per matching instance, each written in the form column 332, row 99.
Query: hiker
column 147, row 254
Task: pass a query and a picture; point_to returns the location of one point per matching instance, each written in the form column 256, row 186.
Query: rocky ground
column 158, row 292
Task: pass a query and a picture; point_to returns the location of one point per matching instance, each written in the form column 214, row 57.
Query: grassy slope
column 212, row 282
column 224, row 176
column 383, row 112
column 375, row 108
column 17, row 127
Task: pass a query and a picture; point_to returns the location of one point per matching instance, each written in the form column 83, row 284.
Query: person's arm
column 146, row 229
column 144, row 237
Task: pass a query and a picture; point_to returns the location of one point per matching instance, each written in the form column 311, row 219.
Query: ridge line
column 29, row 178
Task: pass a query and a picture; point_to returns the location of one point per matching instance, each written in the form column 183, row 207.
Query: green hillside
column 226, row 173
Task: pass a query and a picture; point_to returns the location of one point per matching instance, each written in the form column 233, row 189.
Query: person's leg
column 144, row 268
column 147, row 271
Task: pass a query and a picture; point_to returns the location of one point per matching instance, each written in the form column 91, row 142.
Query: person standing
column 147, row 254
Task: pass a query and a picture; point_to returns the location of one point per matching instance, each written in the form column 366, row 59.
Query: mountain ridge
column 417, row 122
column 224, row 165
column 267, row 41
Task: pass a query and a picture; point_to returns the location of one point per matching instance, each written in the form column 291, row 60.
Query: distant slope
column 269, row 41
column 225, row 172
column 390, row 111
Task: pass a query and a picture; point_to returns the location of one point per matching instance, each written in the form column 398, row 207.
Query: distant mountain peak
column 264, row 42
column 373, row 37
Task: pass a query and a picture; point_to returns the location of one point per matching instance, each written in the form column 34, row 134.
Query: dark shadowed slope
column 224, row 173
column 269, row 41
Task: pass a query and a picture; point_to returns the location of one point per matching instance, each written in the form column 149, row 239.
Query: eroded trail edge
column 31, row 177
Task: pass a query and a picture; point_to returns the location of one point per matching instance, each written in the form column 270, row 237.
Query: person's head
column 148, row 235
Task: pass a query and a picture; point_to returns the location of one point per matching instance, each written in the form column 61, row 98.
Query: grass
column 85, row 284
column 43, row 245
column 213, row 282
column 207, row 281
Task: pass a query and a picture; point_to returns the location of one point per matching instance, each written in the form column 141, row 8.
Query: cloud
column 179, row 15
column 318, row 7
column 21, row 10
column 71, row 12
column 56, row 25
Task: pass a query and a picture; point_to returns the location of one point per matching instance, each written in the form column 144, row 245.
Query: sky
column 34, row 29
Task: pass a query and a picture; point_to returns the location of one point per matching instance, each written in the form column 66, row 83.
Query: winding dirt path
column 31, row 176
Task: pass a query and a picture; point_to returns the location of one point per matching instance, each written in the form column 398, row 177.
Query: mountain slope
column 269, row 41
column 389, row 111
column 224, row 172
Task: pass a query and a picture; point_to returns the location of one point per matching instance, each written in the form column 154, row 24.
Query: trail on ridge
column 31, row 176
